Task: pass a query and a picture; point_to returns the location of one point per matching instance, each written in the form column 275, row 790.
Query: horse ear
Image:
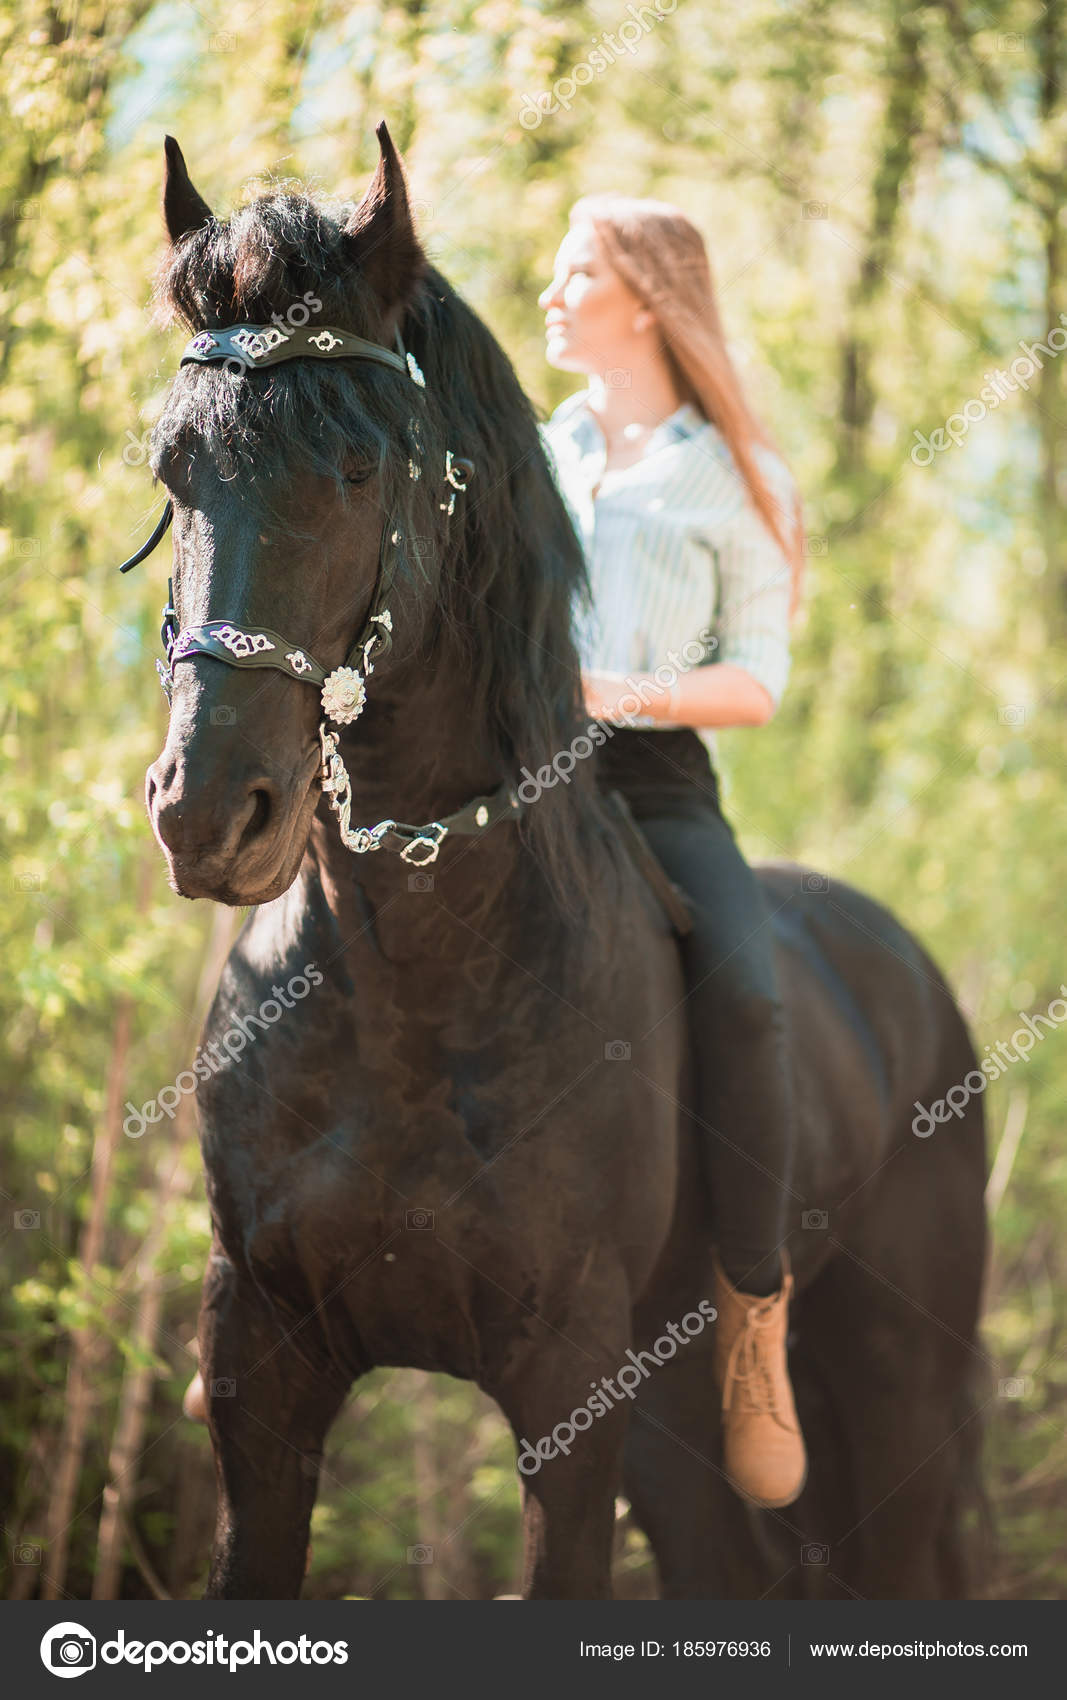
column 381, row 232
column 183, row 208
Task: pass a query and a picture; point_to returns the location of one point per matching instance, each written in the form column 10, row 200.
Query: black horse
column 454, row 1134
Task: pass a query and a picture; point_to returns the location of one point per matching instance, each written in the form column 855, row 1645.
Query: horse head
column 292, row 447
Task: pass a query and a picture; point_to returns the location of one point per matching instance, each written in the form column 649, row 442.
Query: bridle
column 343, row 691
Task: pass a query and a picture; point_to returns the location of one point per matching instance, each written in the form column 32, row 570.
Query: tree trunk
column 906, row 75
column 136, row 1396
column 87, row 1351
column 1049, row 388
column 120, row 1493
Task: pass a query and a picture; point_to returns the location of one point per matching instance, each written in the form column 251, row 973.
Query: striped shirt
column 675, row 550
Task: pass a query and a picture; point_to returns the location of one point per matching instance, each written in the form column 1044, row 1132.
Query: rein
column 343, row 692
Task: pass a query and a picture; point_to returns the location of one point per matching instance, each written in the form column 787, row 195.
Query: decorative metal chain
column 422, row 847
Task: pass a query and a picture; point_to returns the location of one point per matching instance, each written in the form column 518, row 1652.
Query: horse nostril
column 261, row 799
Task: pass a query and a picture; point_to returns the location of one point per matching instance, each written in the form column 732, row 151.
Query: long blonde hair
column 660, row 254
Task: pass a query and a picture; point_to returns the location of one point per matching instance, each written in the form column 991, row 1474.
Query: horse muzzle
column 240, row 843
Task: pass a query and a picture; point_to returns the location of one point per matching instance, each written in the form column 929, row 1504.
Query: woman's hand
column 611, row 696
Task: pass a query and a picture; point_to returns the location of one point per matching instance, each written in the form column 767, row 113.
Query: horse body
column 464, row 1146
column 396, row 1176
column 397, row 1179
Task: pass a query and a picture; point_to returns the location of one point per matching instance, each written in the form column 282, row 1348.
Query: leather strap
column 248, row 646
column 474, row 818
column 156, row 538
column 254, row 346
column 646, row 861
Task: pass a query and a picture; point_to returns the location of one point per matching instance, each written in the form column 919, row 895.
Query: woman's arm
column 718, row 695
column 754, row 593
column 743, row 685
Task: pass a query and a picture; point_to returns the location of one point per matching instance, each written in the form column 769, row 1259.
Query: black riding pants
column 743, row 1102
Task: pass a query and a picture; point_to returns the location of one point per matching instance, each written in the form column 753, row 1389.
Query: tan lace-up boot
column 763, row 1448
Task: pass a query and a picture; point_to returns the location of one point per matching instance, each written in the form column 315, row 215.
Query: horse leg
column 679, row 1496
column 268, row 1414
column 708, row 1542
column 568, row 1497
column 892, row 1373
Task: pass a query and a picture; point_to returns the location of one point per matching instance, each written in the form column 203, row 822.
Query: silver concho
column 481, row 814
column 243, row 643
column 343, row 695
column 257, row 343
column 325, row 341
column 298, row 661
column 416, row 370
column 203, row 343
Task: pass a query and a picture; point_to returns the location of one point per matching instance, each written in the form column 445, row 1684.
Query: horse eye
column 362, row 475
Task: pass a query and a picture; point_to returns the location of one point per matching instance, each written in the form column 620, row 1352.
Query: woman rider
column 691, row 529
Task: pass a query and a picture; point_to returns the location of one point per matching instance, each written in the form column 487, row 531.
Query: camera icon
column 814, row 882
column 224, row 715
column 422, row 210
column 422, row 548
column 1015, row 1387
column 223, row 42
column 27, row 882
column 26, row 1555
column 27, row 1218
column 1011, row 714
column 617, row 1050
column 814, row 1219
column 29, row 209
column 618, row 377
column 1010, row 43
column 68, row 1650
column 225, row 1388
column 420, row 1221
column 815, row 209
column 420, row 1555
column 420, row 882
column 815, row 1553
column 816, row 546
column 27, row 548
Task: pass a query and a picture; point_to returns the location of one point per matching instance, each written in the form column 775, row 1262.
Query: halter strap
column 156, row 538
column 254, row 346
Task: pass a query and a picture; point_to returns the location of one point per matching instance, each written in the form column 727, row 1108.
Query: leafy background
column 881, row 187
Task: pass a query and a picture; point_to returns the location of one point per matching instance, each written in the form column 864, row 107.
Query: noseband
column 343, row 691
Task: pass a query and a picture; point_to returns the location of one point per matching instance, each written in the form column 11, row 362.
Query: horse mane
column 501, row 583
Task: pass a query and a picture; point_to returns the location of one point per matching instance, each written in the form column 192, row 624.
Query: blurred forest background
column 882, row 188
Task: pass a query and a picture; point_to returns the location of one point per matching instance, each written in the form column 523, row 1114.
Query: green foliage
column 919, row 751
